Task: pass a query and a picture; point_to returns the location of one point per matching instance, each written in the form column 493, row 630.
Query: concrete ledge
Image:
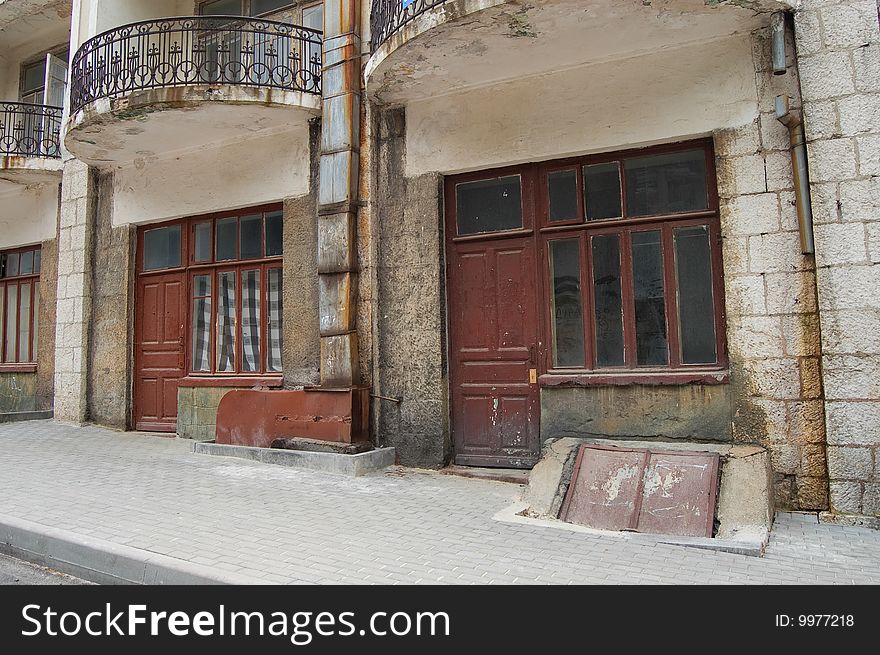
column 100, row 561
column 850, row 520
column 335, row 463
column 15, row 417
column 751, row 545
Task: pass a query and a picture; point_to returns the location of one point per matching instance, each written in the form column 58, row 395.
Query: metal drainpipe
column 801, row 172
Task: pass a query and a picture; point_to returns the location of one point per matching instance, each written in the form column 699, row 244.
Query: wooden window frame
column 29, row 365
column 190, row 268
column 246, row 8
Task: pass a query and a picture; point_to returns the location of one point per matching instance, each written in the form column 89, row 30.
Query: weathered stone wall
column 46, row 338
column 410, row 353
column 74, row 292
column 838, row 45
column 772, row 323
column 301, row 348
column 18, row 392
column 109, row 369
column 692, row 411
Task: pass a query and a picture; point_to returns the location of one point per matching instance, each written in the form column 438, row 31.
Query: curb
column 334, row 463
column 101, row 561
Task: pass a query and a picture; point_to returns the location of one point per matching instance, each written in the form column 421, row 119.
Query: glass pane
column 226, row 234
column 26, row 265
column 602, row 191
column 652, row 347
column 38, row 260
column 251, row 240
column 34, row 77
column 202, row 249
column 201, row 323
column 2, row 324
column 11, row 268
column 696, row 304
column 162, row 248
column 665, row 184
column 11, row 322
column 274, row 234
column 24, row 324
column 226, row 321
column 489, row 205
column 250, row 321
column 313, row 17
column 36, row 333
column 568, row 318
column 562, row 189
column 608, row 300
column 275, row 306
column 262, row 6
column 222, row 8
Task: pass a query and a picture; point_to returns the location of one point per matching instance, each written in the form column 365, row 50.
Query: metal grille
column 30, row 130
column 196, row 50
column 388, row 16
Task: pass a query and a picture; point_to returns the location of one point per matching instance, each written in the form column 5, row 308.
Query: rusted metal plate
column 605, row 487
column 257, row 417
column 661, row 492
column 678, row 494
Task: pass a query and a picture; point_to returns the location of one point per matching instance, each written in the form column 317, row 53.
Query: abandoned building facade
column 465, row 226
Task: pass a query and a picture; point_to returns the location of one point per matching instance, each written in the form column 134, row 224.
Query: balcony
column 30, row 143
column 158, row 87
column 426, row 48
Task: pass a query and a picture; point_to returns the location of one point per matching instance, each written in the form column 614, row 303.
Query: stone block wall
column 197, row 411
column 838, row 46
column 773, row 331
column 46, row 338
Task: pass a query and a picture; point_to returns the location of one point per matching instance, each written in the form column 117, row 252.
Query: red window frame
column 583, row 230
column 213, row 267
column 17, row 362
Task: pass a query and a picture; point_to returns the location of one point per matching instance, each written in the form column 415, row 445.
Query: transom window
column 19, row 305
column 233, row 269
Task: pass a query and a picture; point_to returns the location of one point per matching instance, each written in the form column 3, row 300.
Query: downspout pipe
column 795, row 125
column 777, row 41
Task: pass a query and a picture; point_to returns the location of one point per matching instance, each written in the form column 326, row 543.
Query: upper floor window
column 44, row 81
column 254, row 8
column 19, row 305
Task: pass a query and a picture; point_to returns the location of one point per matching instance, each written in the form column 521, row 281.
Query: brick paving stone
column 276, row 524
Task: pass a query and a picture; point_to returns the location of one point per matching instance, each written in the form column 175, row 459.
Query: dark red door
column 494, row 341
column 159, row 350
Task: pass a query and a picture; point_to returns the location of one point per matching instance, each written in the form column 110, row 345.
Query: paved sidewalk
column 273, row 524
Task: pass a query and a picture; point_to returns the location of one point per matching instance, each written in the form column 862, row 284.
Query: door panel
column 159, row 350
column 493, row 341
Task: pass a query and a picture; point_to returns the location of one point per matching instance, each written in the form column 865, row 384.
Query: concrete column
column 74, row 294
column 338, row 194
column 838, row 45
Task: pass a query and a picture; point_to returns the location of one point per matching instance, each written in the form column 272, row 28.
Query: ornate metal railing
column 30, row 130
column 388, row 16
column 189, row 50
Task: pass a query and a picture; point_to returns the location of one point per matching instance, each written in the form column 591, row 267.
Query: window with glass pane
column 652, row 347
column 489, row 205
column 201, row 324
column 222, row 8
column 250, row 321
column 665, row 184
column 19, row 306
column 226, row 322
column 693, row 275
column 275, row 297
column 251, row 236
column 226, row 230
column 563, row 195
column 567, row 310
column 162, row 248
column 608, row 300
column 602, row 191
column 202, row 246
column 259, row 7
column 274, row 234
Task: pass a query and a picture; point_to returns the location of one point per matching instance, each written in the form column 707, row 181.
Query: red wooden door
column 159, row 350
column 493, row 345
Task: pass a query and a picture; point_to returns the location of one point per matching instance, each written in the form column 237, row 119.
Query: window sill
column 18, row 368
column 198, row 381
column 593, row 379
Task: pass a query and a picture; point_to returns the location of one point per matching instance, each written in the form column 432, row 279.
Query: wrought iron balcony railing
column 30, row 130
column 190, row 50
column 388, row 16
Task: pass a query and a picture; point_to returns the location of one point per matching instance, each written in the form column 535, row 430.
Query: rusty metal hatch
column 661, row 492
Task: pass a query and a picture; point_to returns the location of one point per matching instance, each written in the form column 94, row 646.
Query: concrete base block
column 14, row 417
column 850, row 520
column 744, row 510
column 335, row 463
